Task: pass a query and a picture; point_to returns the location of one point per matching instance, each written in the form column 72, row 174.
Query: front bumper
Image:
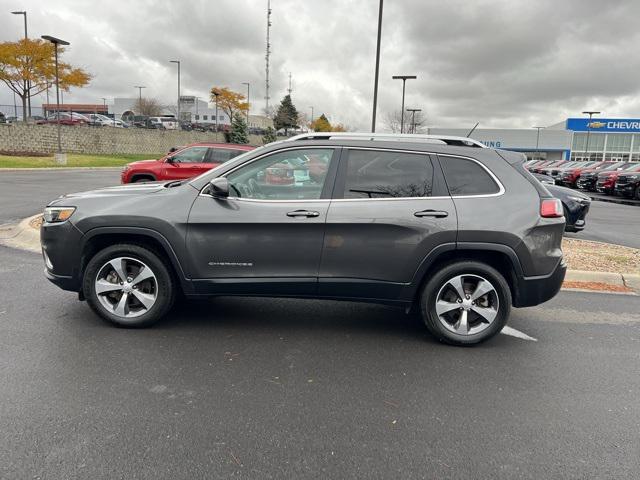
column 625, row 190
column 531, row 291
column 60, row 248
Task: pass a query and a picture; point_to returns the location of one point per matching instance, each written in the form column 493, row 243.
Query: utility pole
column 248, row 102
column 538, row 142
column 266, row 81
column 177, row 62
column 289, row 90
column 60, row 157
column 311, row 107
column 404, row 79
column 413, row 118
column 216, row 94
column 375, row 81
column 27, row 83
column 139, row 92
column 591, row 113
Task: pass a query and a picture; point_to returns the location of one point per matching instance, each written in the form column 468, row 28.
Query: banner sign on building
column 604, row 125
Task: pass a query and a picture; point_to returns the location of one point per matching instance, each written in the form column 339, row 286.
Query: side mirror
column 219, row 187
column 170, row 160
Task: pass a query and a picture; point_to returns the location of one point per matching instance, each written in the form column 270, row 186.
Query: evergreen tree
column 287, row 115
column 269, row 136
column 321, row 124
column 238, row 130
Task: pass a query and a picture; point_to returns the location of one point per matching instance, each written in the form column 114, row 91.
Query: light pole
column 248, row 104
column 538, row 142
column 139, row 87
column 177, row 62
column 404, row 79
column 216, row 94
column 591, row 113
column 60, row 157
column 311, row 107
column 375, row 79
column 413, row 118
column 27, row 83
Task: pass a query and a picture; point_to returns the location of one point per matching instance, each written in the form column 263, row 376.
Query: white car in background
column 100, row 120
column 163, row 123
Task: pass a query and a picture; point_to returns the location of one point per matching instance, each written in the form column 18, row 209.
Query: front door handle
column 432, row 213
column 303, row 213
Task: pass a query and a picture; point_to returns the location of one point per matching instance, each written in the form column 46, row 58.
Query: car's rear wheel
column 128, row 285
column 637, row 193
column 465, row 303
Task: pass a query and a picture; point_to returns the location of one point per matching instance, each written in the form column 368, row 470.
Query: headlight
column 58, row 214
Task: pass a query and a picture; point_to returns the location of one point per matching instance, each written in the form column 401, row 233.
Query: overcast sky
column 510, row 63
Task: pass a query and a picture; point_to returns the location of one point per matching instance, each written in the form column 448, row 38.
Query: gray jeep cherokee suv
column 435, row 225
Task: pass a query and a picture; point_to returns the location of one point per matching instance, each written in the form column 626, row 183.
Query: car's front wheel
column 128, row 285
column 466, row 303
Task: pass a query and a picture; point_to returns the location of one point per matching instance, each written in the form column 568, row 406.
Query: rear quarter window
column 467, row 177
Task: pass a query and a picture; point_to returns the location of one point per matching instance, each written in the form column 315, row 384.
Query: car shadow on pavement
column 294, row 315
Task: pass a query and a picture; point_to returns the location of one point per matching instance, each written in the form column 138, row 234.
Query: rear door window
column 467, row 177
column 222, row 155
column 387, row 174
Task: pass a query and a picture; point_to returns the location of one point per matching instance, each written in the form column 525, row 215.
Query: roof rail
column 440, row 139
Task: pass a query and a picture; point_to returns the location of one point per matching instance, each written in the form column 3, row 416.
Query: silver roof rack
column 439, row 139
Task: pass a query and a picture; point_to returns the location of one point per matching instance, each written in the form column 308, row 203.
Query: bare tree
column 149, row 107
column 392, row 122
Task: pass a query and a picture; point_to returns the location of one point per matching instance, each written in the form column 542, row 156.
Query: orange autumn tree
column 27, row 67
column 229, row 101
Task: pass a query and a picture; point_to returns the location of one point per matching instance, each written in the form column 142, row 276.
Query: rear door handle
column 432, row 213
column 303, row 213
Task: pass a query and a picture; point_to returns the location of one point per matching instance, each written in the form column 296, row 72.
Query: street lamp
column 139, row 87
column 404, row 79
column 375, row 80
column 216, row 95
column 538, row 142
column 591, row 113
column 27, row 83
column 413, row 118
column 248, row 104
column 311, row 107
column 178, row 63
column 60, row 157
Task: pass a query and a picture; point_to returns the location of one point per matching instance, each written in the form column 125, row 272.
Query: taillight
column 551, row 208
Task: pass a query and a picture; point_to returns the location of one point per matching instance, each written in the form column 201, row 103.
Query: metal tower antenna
column 290, row 89
column 266, row 82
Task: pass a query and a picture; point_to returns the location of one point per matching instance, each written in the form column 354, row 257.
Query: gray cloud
column 500, row 62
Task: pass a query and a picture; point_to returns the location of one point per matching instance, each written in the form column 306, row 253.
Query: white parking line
column 517, row 333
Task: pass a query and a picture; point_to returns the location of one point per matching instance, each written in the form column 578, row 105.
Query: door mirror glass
column 219, row 187
column 170, row 160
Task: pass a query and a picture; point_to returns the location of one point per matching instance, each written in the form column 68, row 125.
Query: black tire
column 441, row 278
column 637, row 193
column 143, row 180
column 165, row 286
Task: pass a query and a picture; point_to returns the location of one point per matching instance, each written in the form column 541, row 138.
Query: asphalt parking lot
column 274, row 388
column 258, row 388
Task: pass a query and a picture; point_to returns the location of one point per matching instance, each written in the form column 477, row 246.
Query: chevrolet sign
column 604, row 125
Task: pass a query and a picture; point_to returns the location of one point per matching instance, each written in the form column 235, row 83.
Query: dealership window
column 618, row 142
column 636, row 142
column 197, row 117
column 596, row 142
column 204, row 117
column 616, row 157
column 380, row 174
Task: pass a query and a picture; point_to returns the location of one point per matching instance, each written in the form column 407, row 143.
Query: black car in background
column 628, row 185
column 575, row 205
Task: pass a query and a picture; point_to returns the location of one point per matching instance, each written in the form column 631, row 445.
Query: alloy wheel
column 467, row 304
column 126, row 287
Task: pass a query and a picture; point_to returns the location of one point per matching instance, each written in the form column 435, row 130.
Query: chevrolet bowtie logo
column 596, row 125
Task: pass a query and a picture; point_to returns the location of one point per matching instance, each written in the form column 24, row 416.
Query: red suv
column 186, row 162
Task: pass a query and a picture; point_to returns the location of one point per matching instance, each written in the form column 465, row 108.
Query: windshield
column 209, row 174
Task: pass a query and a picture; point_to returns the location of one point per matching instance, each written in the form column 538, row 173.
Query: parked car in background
column 100, row 120
column 588, row 177
column 606, row 181
column 163, row 123
column 628, row 185
column 66, row 118
column 189, row 161
column 545, row 179
column 3, row 119
column 569, row 175
column 575, row 206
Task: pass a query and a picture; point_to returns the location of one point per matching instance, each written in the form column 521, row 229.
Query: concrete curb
column 21, row 235
column 24, row 237
column 617, row 200
column 54, row 169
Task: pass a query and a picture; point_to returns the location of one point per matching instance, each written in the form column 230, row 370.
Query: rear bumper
column 531, row 291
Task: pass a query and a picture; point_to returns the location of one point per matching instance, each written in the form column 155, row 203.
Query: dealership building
column 610, row 139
